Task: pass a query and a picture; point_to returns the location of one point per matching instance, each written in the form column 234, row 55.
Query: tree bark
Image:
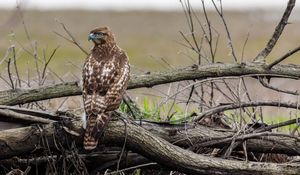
column 25, row 140
column 21, row 96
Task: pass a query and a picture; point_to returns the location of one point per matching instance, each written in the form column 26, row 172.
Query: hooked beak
column 91, row 36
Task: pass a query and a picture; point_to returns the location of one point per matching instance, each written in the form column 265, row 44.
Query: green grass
column 154, row 110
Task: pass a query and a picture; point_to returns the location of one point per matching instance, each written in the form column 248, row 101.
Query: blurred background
column 149, row 31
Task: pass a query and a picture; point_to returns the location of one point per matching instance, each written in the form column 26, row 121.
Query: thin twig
column 232, row 145
column 47, row 62
column 202, row 81
column 124, row 145
column 6, row 55
column 36, row 58
column 10, row 74
column 25, row 26
column 131, row 168
column 209, row 38
column 277, row 89
column 283, row 57
column 248, row 96
column 7, row 82
column 226, row 107
column 220, row 12
column 15, row 64
column 72, row 40
column 245, row 150
column 244, row 46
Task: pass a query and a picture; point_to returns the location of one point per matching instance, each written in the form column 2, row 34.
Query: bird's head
column 101, row 35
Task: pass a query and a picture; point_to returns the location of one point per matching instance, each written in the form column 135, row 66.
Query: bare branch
column 47, row 62
column 278, row 30
column 226, row 107
column 20, row 13
column 147, row 144
column 13, row 97
column 242, row 137
column 72, row 40
column 9, row 115
column 15, row 64
column 277, row 125
column 244, row 46
column 220, row 12
column 36, row 60
column 131, row 168
column 283, row 57
column 7, row 82
column 31, row 112
column 277, row 89
column 10, row 74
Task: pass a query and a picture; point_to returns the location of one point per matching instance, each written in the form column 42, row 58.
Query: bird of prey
column 105, row 77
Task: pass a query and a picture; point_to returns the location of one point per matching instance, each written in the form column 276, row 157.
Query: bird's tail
column 90, row 141
column 94, row 130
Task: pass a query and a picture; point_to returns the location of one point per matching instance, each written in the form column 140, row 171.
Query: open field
column 150, row 38
column 196, row 101
column 146, row 36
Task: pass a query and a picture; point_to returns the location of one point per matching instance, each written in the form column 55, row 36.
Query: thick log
column 24, row 140
column 180, row 135
column 21, row 96
column 96, row 161
column 9, row 115
column 184, row 135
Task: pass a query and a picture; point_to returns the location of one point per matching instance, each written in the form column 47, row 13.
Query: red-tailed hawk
column 105, row 77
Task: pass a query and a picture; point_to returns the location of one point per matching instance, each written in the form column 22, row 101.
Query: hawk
column 105, row 77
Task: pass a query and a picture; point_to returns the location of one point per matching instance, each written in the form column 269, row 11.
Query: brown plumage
column 105, row 77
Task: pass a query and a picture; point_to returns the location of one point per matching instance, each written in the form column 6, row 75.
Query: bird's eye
column 99, row 34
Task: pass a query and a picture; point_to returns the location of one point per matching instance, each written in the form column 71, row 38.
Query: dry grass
column 147, row 36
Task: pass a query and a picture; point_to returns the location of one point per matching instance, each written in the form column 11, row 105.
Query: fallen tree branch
column 226, row 107
column 277, row 125
column 176, row 133
column 242, row 137
column 24, row 140
column 11, row 116
column 35, row 113
column 93, row 159
column 21, row 96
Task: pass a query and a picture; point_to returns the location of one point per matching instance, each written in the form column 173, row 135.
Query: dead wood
column 16, row 142
column 21, row 96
